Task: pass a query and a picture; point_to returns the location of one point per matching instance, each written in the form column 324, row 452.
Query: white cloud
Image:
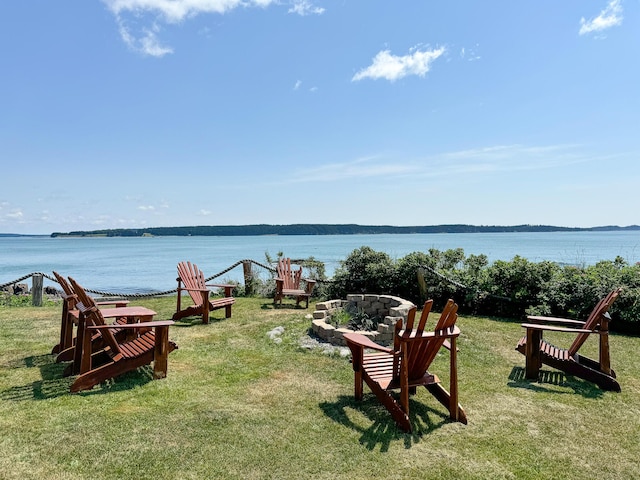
column 611, row 16
column 177, row 10
column 392, row 67
column 305, row 7
column 15, row 215
column 144, row 40
column 297, row 85
column 205, row 213
column 146, row 208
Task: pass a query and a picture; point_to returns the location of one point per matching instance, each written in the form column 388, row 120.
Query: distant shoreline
column 324, row 229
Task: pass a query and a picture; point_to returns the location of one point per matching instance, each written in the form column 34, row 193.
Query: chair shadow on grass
column 53, row 384
column 196, row 320
column 284, row 306
column 383, row 430
column 548, row 380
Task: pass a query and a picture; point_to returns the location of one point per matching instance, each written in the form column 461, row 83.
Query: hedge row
column 511, row 289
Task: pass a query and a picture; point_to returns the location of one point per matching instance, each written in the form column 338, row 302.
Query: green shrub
column 364, row 271
column 510, row 289
column 516, row 285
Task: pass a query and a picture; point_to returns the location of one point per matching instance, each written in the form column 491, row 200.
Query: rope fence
column 246, row 263
column 477, row 292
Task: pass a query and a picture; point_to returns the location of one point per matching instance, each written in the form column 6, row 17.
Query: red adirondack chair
column 538, row 351
column 148, row 342
column 288, row 283
column 65, row 347
column 191, row 279
column 405, row 366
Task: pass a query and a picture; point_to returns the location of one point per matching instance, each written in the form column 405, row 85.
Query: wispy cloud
column 392, row 67
column 469, row 54
column 509, row 158
column 611, row 16
column 305, row 7
column 485, row 160
column 15, row 215
column 129, row 13
column 365, row 167
column 297, row 85
column 145, row 42
column 146, row 208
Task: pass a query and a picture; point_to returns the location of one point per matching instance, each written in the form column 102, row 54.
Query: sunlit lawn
column 236, row 404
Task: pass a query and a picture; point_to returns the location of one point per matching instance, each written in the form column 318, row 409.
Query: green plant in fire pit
column 354, row 319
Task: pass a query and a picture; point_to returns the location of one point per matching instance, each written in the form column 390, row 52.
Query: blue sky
column 145, row 113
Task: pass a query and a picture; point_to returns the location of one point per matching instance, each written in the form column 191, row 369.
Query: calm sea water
column 130, row 265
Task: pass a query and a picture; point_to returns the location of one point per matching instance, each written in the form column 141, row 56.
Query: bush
column 364, row 271
column 505, row 288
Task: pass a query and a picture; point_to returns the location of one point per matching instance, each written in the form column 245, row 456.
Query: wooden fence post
column 248, row 277
column 36, row 290
column 422, row 284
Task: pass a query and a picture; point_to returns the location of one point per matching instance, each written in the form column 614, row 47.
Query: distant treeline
column 322, row 229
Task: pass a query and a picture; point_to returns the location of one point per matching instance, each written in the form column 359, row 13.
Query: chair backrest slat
column 192, row 278
column 420, row 352
column 69, row 296
column 594, row 320
column 291, row 278
column 93, row 315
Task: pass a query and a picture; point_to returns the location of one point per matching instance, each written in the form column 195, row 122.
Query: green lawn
column 236, row 404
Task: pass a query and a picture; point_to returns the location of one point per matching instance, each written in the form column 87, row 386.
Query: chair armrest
column 562, row 321
column 365, row 342
column 310, row 284
column 228, row 289
column 133, row 326
column 553, row 328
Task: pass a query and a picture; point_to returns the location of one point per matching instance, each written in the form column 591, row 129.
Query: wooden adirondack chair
column 405, row 366
column 538, row 351
column 288, row 283
column 148, row 343
column 191, row 279
column 70, row 315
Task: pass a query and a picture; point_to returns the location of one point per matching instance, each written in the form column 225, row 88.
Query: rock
column 20, row 289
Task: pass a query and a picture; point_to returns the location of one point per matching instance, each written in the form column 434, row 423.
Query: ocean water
column 148, row 264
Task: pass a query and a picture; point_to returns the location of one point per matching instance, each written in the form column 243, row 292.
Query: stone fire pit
column 386, row 307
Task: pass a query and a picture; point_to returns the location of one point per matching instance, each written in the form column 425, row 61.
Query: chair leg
column 532, row 354
column 357, row 390
column 161, row 352
column 441, row 394
column 453, row 381
column 397, row 413
column 205, row 308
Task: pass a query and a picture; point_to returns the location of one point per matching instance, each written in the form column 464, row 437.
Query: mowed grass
column 238, row 405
